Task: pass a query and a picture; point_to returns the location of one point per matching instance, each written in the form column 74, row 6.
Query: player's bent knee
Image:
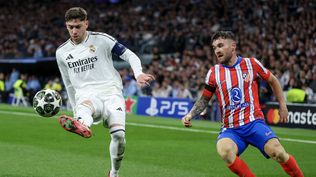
column 276, row 151
column 227, row 150
column 118, row 135
column 227, row 155
column 280, row 155
column 225, row 146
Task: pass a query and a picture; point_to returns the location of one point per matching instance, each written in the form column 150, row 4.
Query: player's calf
column 117, row 149
column 240, row 168
column 291, row 167
column 276, row 151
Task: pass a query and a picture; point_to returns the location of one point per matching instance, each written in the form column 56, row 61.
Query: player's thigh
column 93, row 103
column 226, row 145
column 116, row 111
column 260, row 135
column 229, row 141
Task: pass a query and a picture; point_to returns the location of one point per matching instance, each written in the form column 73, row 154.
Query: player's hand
column 186, row 121
column 283, row 113
column 144, row 79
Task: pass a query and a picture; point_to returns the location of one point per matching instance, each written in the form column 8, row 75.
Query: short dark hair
column 223, row 35
column 76, row 13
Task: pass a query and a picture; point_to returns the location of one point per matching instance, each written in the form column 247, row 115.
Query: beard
column 226, row 59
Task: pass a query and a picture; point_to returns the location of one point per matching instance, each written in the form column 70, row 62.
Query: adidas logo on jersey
column 69, row 57
column 119, row 109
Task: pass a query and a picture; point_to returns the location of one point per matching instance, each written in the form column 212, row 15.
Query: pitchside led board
column 300, row 115
column 163, row 107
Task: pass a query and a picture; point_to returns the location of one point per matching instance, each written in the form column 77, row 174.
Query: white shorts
column 107, row 109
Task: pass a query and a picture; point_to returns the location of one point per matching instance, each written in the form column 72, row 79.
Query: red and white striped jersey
column 236, row 89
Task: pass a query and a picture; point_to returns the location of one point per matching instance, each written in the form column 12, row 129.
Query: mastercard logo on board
column 273, row 116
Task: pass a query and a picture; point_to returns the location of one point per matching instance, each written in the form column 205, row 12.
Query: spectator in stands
column 184, row 91
column 156, row 54
column 33, row 86
column 296, row 94
column 35, row 49
column 14, row 76
column 166, row 88
column 2, row 88
column 175, row 89
column 312, row 85
column 285, row 77
column 20, row 91
column 56, row 85
column 309, row 93
column 130, row 86
column 49, row 84
column 157, row 92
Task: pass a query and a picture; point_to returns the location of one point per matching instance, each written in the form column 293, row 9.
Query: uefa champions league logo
column 152, row 110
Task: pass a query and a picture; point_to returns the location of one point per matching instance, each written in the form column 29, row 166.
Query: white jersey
column 88, row 67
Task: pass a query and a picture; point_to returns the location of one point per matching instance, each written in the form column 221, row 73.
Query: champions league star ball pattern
column 47, row 102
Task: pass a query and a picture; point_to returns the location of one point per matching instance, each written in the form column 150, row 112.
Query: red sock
column 240, row 168
column 291, row 168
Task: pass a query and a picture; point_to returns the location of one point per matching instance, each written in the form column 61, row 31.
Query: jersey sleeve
column 263, row 72
column 134, row 61
column 124, row 53
column 65, row 77
column 210, row 86
column 111, row 44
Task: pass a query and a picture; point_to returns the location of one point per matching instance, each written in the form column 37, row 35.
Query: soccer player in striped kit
column 234, row 82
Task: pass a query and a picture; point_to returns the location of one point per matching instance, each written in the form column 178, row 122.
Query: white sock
column 117, row 148
column 84, row 115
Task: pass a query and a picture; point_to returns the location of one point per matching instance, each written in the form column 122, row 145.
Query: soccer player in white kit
column 93, row 85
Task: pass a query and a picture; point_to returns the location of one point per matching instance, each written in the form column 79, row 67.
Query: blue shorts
column 256, row 133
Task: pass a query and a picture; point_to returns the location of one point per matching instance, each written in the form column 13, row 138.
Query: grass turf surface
column 32, row 146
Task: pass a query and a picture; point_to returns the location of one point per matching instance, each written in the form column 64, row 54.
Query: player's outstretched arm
column 198, row 107
column 278, row 92
column 144, row 79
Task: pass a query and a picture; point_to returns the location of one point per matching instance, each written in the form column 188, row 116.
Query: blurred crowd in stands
column 176, row 34
column 20, row 88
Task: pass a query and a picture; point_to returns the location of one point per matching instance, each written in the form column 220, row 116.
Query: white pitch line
column 169, row 128
column 18, row 113
column 298, row 140
column 208, row 131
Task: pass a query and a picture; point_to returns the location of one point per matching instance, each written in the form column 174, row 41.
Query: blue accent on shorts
column 118, row 49
column 255, row 133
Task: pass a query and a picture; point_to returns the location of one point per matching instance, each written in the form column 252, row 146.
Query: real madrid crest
column 92, row 48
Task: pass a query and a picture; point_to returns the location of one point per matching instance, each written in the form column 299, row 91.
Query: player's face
column 77, row 30
column 224, row 50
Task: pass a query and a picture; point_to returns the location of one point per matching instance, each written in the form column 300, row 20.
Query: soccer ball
column 47, row 102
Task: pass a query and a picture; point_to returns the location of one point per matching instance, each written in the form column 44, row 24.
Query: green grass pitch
column 32, row 146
